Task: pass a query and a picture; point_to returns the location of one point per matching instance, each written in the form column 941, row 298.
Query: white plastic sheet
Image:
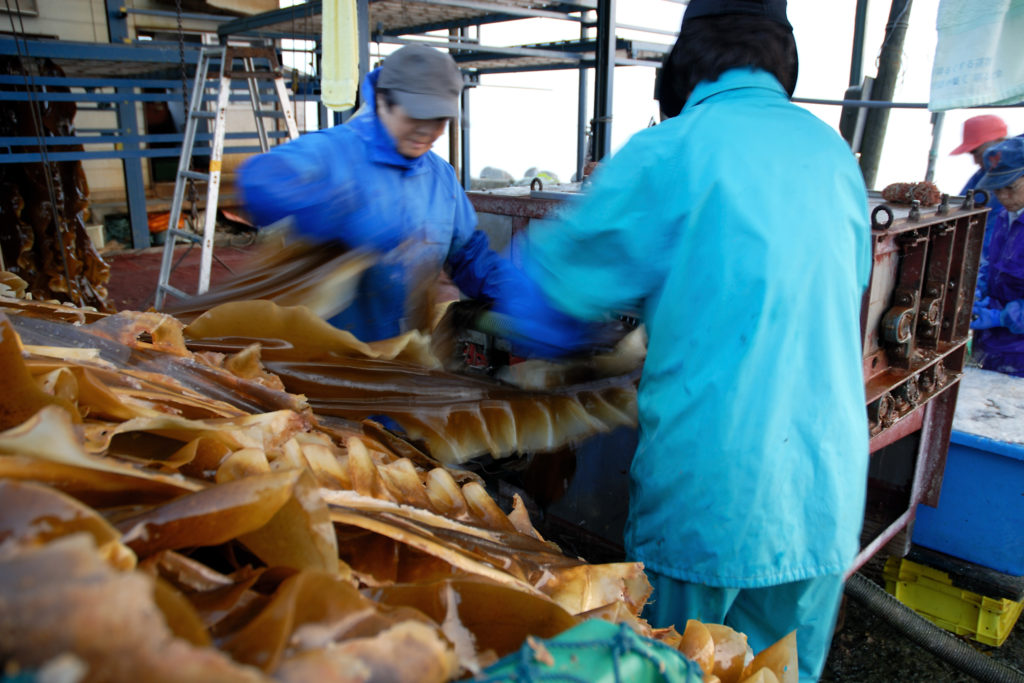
column 979, row 58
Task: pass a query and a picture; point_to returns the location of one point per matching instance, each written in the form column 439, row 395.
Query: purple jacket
column 1001, row 277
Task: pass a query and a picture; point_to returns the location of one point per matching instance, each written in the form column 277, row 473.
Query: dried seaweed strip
column 276, row 515
column 310, row 611
column 497, row 618
column 33, row 515
column 322, row 279
column 64, row 598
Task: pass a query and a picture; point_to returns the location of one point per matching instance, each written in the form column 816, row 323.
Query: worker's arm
column 311, row 181
column 611, row 250
column 482, row 274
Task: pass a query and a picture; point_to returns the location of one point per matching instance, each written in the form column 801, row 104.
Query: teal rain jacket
column 349, row 184
column 739, row 232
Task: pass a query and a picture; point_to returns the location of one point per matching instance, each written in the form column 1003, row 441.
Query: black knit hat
column 770, row 9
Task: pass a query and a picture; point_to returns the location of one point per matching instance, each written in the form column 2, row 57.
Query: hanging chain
column 190, row 186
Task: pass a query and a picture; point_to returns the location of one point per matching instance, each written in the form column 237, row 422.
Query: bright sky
column 525, row 120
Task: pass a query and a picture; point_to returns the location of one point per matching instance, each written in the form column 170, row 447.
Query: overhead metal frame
column 395, row 21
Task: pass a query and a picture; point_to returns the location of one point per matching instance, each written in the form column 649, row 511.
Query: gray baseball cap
column 426, row 82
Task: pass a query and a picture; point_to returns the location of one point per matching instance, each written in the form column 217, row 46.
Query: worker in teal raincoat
column 738, row 231
column 375, row 183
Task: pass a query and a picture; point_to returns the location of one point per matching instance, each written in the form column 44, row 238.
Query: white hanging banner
column 979, row 57
column 339, row 60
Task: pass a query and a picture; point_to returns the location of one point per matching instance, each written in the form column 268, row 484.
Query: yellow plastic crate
column 931, row 593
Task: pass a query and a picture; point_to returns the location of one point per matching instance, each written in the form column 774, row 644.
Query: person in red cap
column 980, row 134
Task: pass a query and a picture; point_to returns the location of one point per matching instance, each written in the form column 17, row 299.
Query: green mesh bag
column 594, row 652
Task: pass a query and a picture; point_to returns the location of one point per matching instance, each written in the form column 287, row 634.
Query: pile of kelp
column 43, row 204
column 206, row 502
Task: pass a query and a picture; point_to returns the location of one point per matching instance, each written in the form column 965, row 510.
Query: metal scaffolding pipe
column 889, row 61
column 604, row 76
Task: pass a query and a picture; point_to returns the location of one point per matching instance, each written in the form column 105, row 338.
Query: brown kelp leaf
column 49, row 310
column 584, row 587
column 210, row 517
column 33, row 515
column 279, row 516
column 296, row 330
column 20, row 396
column 400, row 530
column 246, row 364
column 762, row 676
column 265, row 431
column 63, row 597
column 300, row 535
column 181, row 618
column 698, row 645
column 11, row 285
column 223, row 603
column 404, row 482
column 366, row 480
column 498, row 617
column 49, row 436
column 520, row 518
column 127, row 327
column 780, row 659
column 321, row 278
column 732, row 653
column 311, row 610
column 408, row 651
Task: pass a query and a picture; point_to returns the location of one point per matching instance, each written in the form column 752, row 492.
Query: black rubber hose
column 936, row 640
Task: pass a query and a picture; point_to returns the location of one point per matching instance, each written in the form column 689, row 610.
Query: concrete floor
column 134, row 272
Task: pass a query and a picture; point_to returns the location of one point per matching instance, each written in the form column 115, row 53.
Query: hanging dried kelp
column 43, row 205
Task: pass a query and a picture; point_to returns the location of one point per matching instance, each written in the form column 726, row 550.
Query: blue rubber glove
column 984, row 318
column 535, row 328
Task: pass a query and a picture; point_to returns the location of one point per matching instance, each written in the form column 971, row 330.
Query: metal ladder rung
column 204, row 114
column 185, row 234
column 195, row 175
column 258, row 75
column 171, row 289
column 270, row 113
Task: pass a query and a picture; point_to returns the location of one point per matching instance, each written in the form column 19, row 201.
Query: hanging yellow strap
column 340, row 59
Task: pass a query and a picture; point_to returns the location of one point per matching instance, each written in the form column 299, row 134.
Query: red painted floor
column 134, row 272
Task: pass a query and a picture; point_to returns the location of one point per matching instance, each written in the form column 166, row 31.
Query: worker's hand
column 984, row 318
column 538, row 330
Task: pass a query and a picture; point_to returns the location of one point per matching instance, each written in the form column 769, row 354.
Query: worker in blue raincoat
column 998, row 318
column 375, row 183
column 738, row 230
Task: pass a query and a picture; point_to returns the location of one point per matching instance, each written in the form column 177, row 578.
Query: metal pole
column 938, row 118
column 581, row 119
column 467, row 176
column 127, row 122
column 603, row 79
column 889, row 62
column 857, row 58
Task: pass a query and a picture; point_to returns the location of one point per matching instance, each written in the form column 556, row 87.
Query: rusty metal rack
column 915, row 320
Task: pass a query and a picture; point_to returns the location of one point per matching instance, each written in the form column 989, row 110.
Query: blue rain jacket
column 1001, row 278
column 739, row 231
column 350, row 184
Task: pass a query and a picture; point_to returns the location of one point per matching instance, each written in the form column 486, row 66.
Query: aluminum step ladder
column 259, row 64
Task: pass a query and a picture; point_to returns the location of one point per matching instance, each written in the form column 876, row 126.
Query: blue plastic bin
column 980, row 517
